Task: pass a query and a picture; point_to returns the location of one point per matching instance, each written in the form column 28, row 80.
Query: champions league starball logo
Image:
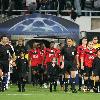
column 39, row 25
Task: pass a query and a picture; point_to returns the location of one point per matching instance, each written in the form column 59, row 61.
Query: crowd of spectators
column 59, row 5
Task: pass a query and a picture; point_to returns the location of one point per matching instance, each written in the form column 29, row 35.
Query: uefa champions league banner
column 41, row 25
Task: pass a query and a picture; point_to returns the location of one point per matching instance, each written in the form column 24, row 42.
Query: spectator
column 69, row 4
column 97, row 5
column 53, row 4
column 73, row 15
column 83, row 4
column 11, row 7
column 77, row 5
column 31, row 5
column 4, row 6
column 18, row 6
column 62, row 4
column 15, row 5
column 39, row 2
column 88, row 6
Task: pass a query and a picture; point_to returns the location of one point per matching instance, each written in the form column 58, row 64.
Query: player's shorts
column 4, row 65
column 41, row 69
column 80, row 71
column 21, row 75
column 61, row 71
column 69, row 66
column 96, row 72
column 88, row 71
column 35, row 68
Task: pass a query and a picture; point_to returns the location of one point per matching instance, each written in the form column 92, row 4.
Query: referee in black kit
column 69, row 54
column 5, row 50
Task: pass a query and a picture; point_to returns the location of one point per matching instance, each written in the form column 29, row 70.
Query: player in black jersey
column 5, row 51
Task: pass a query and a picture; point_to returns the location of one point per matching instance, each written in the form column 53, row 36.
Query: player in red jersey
column 42, row 52
column 34, row 55
column 89, row 55
column 80, row 61
column 42, row 70
column 50, row 53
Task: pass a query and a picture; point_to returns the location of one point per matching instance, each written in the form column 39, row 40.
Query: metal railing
column 90, row 13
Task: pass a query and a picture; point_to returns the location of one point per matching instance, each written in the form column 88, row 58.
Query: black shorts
column 96, row 72
column 41, row 69
column 4, row 65
column 35, row 68
column 80, row 71
column 88, row 71
column 69, row 66
column 38, row 69
column 61, row 71
column 22, row 75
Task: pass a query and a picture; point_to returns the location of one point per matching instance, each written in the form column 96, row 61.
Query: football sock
column 73, row 83
column 66, row 84
column 80, row 82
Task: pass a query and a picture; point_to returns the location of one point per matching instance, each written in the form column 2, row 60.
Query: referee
column 69, row 54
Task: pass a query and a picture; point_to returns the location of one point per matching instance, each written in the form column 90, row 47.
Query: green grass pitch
column 36, row 93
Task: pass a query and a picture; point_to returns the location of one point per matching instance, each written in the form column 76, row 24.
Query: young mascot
column 22, row 69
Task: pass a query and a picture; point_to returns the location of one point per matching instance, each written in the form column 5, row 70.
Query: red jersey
column 50, row 54
column 80, row 51
column 42, row 54
column 89, row 56
column 59, row 56
column 34, row 56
